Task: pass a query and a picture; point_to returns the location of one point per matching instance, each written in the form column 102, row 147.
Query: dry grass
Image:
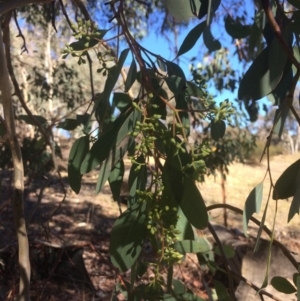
column 240, row 181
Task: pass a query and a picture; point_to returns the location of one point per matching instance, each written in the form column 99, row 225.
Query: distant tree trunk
column 17, row 200
column 291, row 143
column 49, row 68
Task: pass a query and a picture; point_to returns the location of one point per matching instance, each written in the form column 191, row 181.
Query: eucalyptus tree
column 164, row 206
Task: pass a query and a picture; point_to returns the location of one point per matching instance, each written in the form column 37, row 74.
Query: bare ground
column 64, row 230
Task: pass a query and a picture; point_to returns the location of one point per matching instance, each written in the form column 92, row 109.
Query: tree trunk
column 49, row 68
column 17, row 199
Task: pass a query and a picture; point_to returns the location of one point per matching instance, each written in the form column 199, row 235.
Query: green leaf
column 131, row 76
column 42, row 120
column 77, row 154
column 268, row 33
column 192, row 246
column 279, row 94
column 39, row 145
column 235, row 29
column 196, row 91
column 252, row 205
column 210, row 42
column 68, row 124
column 104, row 172
column 296, row 52
column 184, row 227
column 277, row 60
column 83, row 44
column 173, row 178
column 296, row 280
column 160, row 106
column 174, row 69
column 295, row 205
column 181, row 9
column 121, row 100
column 279, row 127
column 221, row 291
column 269, row 71
column 192, row 204
column 113, row 142
column 127, row 237
column 208, row 7
column 218, row 129
column 283, row 285
column 161, row 64
column 191, row 38
column 179, row 287
column 148, row 292
column 286, row 185
column 82, row 118
column 228, row 250
column 99, row 151
column 176, row 84
column 119, row 148
column 112, row 78
column 255, row 39
column 2, row 130
column 258, row 80
column 116, row 179
column 137, row 179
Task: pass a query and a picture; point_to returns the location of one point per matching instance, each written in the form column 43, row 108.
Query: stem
column 170, row 279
